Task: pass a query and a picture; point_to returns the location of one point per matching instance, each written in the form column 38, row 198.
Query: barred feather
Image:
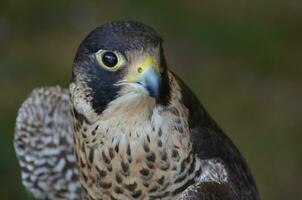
column 43, row 144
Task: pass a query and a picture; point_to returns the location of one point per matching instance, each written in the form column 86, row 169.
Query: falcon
column 138, row 131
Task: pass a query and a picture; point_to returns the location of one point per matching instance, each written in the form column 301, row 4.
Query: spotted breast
column 135, row 150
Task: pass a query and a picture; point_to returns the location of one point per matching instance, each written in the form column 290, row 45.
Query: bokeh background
column 242, row 58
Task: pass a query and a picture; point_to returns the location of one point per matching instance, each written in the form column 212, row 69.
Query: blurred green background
column 243, row 60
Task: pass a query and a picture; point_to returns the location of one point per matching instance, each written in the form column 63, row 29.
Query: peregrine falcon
column 138, row 131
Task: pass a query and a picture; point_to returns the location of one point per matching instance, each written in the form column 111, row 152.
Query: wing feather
column 211, row 143
column 44, row 146
column 208, row 191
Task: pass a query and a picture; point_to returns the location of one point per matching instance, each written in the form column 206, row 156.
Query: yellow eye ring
column 109, row 60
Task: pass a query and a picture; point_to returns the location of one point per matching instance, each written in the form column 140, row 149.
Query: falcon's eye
column 109, row 60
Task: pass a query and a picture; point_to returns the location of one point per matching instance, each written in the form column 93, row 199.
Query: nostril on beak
column 139, row 70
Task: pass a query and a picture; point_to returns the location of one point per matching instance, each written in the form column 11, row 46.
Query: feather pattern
column 128, row 145
column 215, row 149
column 44, row 147
column 43, row 144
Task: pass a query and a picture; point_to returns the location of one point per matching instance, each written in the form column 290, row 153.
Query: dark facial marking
column 121, row 36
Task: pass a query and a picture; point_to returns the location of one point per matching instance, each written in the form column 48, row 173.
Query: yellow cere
column 141, row 68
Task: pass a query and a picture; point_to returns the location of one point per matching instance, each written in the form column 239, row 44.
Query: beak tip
column 153, row 92
column 151, row 81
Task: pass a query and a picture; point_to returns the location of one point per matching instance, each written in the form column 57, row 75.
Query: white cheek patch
column 82, row 105
column 85, row 108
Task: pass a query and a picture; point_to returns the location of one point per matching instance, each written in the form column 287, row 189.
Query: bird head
column 116, row 60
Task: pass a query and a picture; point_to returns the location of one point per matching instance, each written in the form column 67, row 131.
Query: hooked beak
column 150, row 80
column 145, row 78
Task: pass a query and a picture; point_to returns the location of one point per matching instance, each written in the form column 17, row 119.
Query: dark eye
column 110, row 59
